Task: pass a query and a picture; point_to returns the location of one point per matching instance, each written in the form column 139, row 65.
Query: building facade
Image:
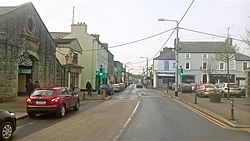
column 163, row 72
column 27, row 52
column 94, row 54
column 203, row 60
column 118, row 77
column 67, row 52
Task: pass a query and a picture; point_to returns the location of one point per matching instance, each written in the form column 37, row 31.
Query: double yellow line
column 211, row 118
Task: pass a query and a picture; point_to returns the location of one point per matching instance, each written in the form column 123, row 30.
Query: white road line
column 126, row 124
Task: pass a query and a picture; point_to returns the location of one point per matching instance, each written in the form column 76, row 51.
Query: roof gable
column 166, row 54
column 204, row 47
column 241, row 57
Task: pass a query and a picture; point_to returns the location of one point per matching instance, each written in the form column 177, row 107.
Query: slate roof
column 5, row 9
column 59, row 35
column 166, row 54
column 203, row 47
column 64, row 41
column 241, row 57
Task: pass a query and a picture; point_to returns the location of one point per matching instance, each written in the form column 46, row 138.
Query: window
column 187, row 55
column 204, row 55
column 221, row 66
column 204, row 65
column 166, row 65
column 187, row 65
column 244, row 65
column 174, row 65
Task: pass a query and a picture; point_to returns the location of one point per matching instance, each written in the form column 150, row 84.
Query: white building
column 94, row 54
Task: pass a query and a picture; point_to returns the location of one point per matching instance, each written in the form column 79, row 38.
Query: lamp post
column 66, row 67
column 176, row 53
column 147, row 65
column 126, row 70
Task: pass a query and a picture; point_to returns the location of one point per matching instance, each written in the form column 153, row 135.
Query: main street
column 133, row 114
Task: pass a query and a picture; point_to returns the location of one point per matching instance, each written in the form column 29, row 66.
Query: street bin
column 215, row 98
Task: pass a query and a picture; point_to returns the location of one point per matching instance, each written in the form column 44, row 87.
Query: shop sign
column 75, row 70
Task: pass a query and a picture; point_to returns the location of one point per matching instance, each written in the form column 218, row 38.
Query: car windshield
column 43, row 93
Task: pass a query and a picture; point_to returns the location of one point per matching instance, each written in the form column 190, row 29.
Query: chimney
column 229, row 41
column 105, row 45
column 79, row 27
column 96, row 36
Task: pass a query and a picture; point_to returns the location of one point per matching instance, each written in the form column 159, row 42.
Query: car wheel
column 62, row 111
column 6, row 131
column 31, row 115
column 77, row 106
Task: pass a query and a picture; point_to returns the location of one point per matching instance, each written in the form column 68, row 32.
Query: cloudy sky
column 124, row 21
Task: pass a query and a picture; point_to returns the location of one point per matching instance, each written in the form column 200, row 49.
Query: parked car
column 139, row 85
column 234, row 90
column 116, row 88
column 173, row 86
column 185, row 88
column 243, row 89
column 108, row 88
column 193, row 86
column 7, row 124
column 52, row 100
column 205, row 90
column 122, row 85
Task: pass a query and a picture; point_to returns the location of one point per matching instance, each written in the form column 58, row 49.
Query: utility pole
column 176, row 53
column 177, row 58
column 228, row 59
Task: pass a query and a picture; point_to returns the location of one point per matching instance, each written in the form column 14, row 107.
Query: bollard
column 232, row 109
column 195, row 99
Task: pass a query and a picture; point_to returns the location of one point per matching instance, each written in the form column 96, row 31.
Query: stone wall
column 46, row 68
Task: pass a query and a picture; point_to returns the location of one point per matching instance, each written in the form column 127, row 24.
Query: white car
column 234, row 90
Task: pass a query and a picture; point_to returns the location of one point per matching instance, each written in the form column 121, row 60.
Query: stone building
column 27, row 51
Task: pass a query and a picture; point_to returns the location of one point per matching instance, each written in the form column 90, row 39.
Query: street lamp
column 147, row 65
column 126, row 70
column 176, row 52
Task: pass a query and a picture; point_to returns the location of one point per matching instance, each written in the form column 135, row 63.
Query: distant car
column 108, row 88
column 234, row 90
column 173, row 86
column 122, row 85
column 243, row 89
column 139, row 85
column 7, row 124
column 185, row 88
column 205, row 90
column 116, row 88
column 193, row 86
column 52, row 100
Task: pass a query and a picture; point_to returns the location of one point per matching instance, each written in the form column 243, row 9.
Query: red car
column 52, row 100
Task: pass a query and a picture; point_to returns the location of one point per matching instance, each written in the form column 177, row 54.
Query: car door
column 73, row 97
column 66, row 97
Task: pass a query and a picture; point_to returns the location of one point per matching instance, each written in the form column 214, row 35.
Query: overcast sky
column 122, row 21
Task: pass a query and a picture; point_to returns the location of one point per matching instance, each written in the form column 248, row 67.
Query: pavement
column 221, row 111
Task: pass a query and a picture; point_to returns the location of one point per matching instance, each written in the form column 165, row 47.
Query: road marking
column 126, row 124
column 208, row 117
column 212, row 119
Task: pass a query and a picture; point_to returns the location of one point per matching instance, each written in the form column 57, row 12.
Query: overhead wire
column 173, row 31
column 210, row 34
column 115, row 46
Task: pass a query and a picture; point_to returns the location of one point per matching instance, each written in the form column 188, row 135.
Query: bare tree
column 246, row 39
column 227, row 54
